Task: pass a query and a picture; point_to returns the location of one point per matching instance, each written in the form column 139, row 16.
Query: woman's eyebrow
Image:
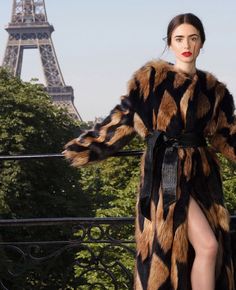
column 181, row 36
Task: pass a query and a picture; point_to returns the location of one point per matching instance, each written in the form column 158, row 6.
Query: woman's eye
column 194, row 38
column 178, row 39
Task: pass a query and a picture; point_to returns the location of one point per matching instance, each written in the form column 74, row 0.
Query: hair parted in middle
column 187, row 18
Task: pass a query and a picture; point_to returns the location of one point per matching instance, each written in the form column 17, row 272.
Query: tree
column 31, row 124
column 228, row 171
column 113, row 186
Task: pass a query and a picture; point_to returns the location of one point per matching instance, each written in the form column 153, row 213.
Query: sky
column 101, row 43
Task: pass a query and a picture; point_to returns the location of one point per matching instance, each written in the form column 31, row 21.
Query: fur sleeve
column 107, row 137
column 115, row 131
column 118, row 128
column 224, row 138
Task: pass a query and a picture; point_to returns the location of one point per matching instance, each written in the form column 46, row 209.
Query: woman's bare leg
column 205, row 245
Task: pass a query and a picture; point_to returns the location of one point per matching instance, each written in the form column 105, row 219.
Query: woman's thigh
column 200, row 233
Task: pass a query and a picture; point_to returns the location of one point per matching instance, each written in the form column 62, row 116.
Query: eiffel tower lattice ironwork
column 29, row 29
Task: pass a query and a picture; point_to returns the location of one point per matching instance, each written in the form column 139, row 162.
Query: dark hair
column 188, row 18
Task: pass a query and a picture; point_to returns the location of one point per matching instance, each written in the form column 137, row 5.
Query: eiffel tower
column 29, row 29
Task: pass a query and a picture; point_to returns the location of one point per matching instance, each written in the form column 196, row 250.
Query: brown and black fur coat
column 161, row 98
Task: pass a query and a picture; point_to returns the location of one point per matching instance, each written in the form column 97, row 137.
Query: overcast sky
column 100, row 43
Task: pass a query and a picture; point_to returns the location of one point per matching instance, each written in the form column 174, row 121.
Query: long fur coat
column 164, row 99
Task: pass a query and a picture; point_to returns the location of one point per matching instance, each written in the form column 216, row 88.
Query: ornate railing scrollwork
column 98, row 253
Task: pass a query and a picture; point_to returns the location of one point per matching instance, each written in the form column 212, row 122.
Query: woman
column 186, row 115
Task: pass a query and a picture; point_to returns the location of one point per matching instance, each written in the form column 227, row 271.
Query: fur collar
column 163, row 70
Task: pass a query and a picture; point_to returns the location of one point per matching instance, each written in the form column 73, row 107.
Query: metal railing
column 89, row 253
column 70, row 253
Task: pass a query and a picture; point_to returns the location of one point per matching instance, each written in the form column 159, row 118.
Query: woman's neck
column 188, row 68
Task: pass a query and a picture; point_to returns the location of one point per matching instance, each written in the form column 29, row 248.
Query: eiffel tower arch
column 29, row 29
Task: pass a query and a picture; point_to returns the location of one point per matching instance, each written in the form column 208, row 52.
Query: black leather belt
column 159, row 144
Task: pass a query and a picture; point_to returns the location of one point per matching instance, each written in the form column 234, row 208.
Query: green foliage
column 31, row 124
column 113, row 186
column 228, row 171
column 113, row 258
column 113, row 183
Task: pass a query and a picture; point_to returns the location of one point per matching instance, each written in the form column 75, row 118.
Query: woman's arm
column 105, row 138
column 129, row 117
column 224, row 138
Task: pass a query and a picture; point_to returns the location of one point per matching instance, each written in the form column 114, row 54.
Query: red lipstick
column 187, row 53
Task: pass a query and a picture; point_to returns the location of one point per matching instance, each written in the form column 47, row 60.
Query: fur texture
column 161, row 98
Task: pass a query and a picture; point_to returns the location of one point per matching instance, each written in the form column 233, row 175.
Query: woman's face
column 186, row 43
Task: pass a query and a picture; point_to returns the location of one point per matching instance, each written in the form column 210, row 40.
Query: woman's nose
column 186, row 44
